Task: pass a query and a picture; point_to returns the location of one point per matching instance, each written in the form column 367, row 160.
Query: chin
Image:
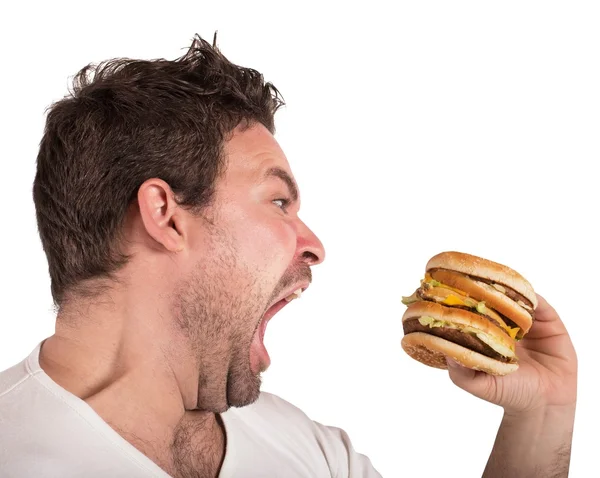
column 243, row 391
column 240, row 388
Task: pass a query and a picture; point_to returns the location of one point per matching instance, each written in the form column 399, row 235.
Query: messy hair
column 126, row 121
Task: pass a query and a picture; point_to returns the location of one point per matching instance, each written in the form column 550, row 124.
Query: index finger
column 544, row 312
column 547, row 321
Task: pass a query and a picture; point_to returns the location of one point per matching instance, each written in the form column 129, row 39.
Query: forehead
column 251, row 152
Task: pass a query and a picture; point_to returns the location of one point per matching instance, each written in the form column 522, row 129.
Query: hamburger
column 471, row 310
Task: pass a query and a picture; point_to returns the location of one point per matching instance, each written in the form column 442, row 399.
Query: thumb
column 476, row 383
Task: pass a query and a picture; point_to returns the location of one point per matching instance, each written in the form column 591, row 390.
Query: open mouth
column 262, row 357
column 277, row 306
column 283, row 302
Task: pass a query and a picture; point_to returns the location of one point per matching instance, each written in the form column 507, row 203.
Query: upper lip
column 268, row 316
column 302, row 285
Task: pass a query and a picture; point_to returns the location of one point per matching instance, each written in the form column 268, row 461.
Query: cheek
column 277, row 242
column 269, row 244
column 263, row 240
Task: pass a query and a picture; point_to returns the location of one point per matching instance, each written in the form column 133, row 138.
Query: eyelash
column 284, row 203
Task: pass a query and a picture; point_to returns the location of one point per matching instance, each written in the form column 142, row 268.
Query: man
column 169, row 217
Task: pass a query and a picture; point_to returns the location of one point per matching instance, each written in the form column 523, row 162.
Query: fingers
column 547, row 322
column 476, row 383
column 544, row 311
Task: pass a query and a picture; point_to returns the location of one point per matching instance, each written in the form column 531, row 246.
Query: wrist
column 535, row 442
column 550, row 412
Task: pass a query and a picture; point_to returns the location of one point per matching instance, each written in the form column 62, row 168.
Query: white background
column 429, row 126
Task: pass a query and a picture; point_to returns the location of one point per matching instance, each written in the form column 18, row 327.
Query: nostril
column 309, row 257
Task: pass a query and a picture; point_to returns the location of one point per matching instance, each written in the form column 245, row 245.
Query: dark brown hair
column 126, row 121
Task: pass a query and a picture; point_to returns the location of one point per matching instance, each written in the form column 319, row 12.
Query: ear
column 161, row 215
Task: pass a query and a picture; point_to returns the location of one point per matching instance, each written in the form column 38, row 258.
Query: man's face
column 253, row 252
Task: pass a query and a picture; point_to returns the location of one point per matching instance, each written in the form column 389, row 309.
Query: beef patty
column 468, row 341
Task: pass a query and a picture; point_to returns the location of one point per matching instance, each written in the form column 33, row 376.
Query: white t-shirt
column 45, row 431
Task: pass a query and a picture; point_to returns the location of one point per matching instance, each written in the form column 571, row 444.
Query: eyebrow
column 286, row 178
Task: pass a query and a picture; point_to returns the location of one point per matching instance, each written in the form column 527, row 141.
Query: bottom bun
column 432, row 351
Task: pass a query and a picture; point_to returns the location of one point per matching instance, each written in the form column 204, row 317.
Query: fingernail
column 452, row 363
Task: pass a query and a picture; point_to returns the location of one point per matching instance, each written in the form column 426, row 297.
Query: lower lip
column 262, row 359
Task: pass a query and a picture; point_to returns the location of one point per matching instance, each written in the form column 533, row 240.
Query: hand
column 547, row 374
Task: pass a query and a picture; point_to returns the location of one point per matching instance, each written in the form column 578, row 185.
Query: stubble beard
column 217, row 308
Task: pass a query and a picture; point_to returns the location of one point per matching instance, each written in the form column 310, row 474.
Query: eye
column 281, row 203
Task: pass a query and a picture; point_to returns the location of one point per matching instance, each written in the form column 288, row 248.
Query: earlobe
column 159, row 213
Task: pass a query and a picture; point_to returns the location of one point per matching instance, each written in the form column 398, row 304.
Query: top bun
column 486, row 269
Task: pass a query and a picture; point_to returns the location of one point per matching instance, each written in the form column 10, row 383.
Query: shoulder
column 13, row 379
column 272, row 422
column 267, row 402
column 273, row 415
column 279, row 413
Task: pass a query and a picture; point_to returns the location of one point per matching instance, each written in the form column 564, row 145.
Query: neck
column 114, row 358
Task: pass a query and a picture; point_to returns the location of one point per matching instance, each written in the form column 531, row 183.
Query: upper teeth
column 294, row 295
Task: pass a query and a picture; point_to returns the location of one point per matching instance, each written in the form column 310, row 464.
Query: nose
column 309, row 248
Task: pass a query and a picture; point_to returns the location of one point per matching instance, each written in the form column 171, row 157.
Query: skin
column 178, row 332
column 535, row 436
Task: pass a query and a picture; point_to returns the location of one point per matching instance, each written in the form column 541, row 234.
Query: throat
column 198, row 446
column 194, row 449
